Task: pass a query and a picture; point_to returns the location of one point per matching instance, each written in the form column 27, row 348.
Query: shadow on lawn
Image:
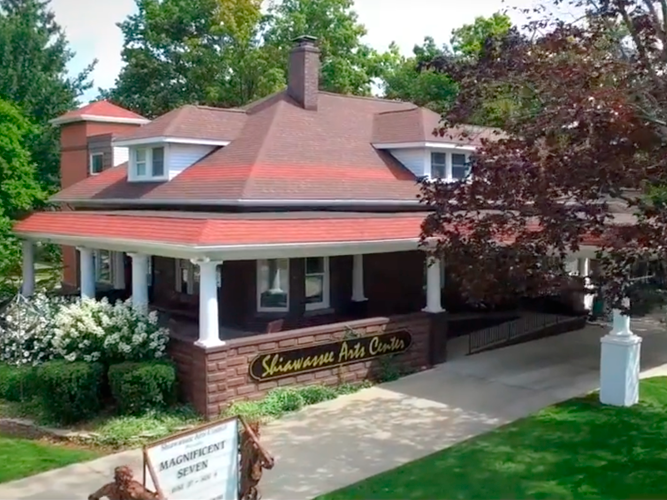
column 578, row 449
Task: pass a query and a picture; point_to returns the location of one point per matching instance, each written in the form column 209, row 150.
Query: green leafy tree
column 410, row 80
column 469, row 39
column 19, row 188
column 180, row 52
column 227, row 53
column 348, row 65
column 34, row 53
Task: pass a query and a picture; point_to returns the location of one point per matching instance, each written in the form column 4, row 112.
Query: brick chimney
column 304, row 72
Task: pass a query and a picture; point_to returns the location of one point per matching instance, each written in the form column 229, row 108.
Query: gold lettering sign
column 292, row 362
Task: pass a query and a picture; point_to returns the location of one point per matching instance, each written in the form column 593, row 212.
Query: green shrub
column 70, row 392
column 313, row 394
column 17, row 383
column 282, row 400
column 143, row 386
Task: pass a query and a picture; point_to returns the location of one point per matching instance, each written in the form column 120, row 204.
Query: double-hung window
column 439, row 165
column 460, row 167
column 273, row 285
column 187, row 277
column 149, row 163
column 103, row 265
column 317, row 283
column 96, row 163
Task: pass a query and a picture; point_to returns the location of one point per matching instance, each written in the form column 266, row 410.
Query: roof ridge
column 392, row 111
column 215, row 108
column 367, row 98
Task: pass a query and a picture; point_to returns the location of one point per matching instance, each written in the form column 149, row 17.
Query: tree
column 348, row 66
column 414, row 79
column 35, row 53
column 180, row 52
column 19, row 188
column 574, row 165
column 226, row 53
column 411, row 81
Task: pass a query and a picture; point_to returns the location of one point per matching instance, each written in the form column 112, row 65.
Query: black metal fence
column 529, row 326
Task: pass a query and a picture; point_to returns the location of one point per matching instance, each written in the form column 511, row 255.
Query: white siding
column 181, row 156
column 120, row 155
column 418, row 161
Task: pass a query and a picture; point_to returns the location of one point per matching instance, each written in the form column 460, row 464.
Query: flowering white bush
column 92, row 330
column 43, row 328
column 27, row 329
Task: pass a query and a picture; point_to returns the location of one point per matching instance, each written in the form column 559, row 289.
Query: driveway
column 333, row 444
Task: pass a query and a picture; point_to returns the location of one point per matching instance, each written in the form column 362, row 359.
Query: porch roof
column 220, row 231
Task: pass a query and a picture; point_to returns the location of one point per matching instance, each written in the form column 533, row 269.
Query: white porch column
column 433, row 300
column 118, row 267
column 28, row 288
column 619, row 363
column 358, row 279
column 87, row 271
column 584, row 269
column 139, row 279
column 209, row 329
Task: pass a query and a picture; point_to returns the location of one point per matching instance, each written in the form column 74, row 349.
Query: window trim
column 149, row 177
column 258, row 288
column 326, row 295
column 90, row 163
column 97, row 260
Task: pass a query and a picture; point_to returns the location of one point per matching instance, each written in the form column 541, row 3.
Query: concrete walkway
column 333, row 444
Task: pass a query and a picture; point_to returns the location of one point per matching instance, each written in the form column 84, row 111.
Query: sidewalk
column 333, row 444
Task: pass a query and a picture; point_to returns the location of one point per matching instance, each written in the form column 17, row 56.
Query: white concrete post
column 28, row 288
column 118, row 270
column 433, row 300
column 87, row 270
column 358, row 279
column 209, row 329
column 584, row 268
column 619, row 363
column 139, row 279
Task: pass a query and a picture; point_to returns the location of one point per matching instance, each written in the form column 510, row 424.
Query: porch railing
column 527, row 325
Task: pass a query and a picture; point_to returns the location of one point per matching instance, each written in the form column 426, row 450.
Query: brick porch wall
column 213, row 378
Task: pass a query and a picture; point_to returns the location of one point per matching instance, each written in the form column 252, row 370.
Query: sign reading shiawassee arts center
column 291, row 362
column 202, row 465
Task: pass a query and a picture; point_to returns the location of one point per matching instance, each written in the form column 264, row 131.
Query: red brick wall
column 212, row 379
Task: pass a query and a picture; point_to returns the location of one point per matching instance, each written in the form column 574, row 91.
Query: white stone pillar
column 209, row 329
column 118, row 268
column 433, row 300
column 87, row 271
column 139, row 279
column 619, row 363
column 584, row 269
column 28, row 288
column 358, row 279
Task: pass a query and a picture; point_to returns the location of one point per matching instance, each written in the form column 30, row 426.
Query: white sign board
column 202, row 465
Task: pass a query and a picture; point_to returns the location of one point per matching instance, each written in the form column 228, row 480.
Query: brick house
column 284, row 223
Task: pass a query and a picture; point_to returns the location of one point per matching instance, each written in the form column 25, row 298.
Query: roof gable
column 100, row 111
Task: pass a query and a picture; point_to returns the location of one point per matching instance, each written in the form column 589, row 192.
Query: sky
column 96, row 36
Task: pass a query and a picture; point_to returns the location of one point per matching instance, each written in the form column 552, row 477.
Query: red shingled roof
column 282, row 152
column 223, row 229
column 101, row 109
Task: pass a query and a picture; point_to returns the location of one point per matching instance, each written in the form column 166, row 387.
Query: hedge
column 140, row 386
column 70, row 392
column 17, row 383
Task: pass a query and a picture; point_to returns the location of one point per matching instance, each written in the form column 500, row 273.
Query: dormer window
column 148, row 163
column 96, row 163
column 449, row 166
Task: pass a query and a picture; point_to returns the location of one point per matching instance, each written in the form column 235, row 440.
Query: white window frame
column 148, row 149
column 325, row 303
column 91, row 162
column 258, row 288
column 191, row 268
column 448, row 164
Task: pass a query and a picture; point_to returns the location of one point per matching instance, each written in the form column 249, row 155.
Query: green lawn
column 24, row 457
column 574, row 450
